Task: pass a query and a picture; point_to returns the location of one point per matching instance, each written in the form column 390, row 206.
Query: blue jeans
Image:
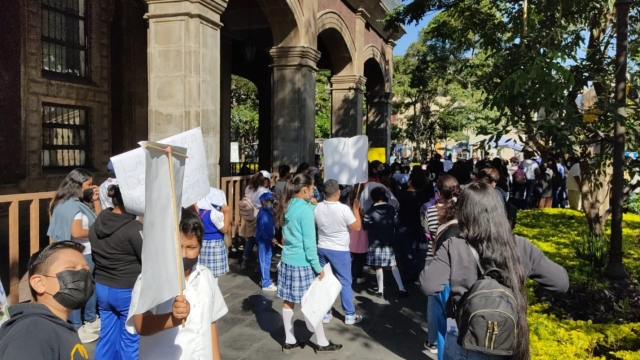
column 432, row 319
column 265, row 249
column 530, row 185
column 248, row 247
column 89, row 309
column 115, row 342
column 341, row 265
column 453, row 351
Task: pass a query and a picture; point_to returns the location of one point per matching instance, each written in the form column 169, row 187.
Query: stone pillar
column 379, row 121
column 293, row 127
column 226, row 48
column 184, row 72
column 361, row 28
column 346, row 105
column 265, row 122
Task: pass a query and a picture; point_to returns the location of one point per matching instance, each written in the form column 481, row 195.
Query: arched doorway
column 378, row 115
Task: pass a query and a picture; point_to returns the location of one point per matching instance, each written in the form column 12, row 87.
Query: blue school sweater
column 265, row 226
column 299, row 232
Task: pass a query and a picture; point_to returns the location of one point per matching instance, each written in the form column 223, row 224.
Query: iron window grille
column 65, row 50
column 65, row 136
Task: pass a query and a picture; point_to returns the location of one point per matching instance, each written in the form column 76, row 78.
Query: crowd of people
column 446, row 226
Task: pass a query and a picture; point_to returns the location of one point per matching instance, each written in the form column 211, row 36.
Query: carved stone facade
column 160, row 67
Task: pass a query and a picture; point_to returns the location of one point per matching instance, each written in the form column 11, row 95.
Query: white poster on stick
column 346, row 160
column 130, row 171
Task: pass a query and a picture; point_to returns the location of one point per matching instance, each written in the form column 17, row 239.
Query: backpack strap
column 477, row 257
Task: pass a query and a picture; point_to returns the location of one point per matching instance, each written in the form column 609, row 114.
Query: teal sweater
column 299, row 232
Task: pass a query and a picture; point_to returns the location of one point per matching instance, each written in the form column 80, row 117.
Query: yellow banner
column 379, row 154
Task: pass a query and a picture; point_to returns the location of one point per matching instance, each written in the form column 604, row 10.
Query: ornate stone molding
column 207, row 10
column 348, row 82
column 292, row 56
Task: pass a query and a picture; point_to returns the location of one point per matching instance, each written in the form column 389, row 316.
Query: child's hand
column 96, row 193
column 321, row 276
column 274, row 241
column 314, row 201
column 225, row 209
column 356, row 205
column 181, row 308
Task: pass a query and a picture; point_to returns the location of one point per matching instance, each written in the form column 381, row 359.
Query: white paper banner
column 346, row 159
column 161, row 258
column 130, row 171
column 319, row 298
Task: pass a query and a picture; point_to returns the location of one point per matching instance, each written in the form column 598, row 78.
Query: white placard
column 235, row 153
column 130, row 171
column 346, row 160
column 319, row 298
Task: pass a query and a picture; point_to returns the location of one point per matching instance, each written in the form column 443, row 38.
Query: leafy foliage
column 244, row 110
column 323, row 105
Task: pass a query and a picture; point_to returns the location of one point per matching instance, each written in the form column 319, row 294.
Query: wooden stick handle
column 176, row 225
column 171, row 152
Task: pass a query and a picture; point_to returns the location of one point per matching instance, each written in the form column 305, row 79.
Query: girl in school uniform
column 213, row 254
column 300, row 263
column 359, row 244
column 380, row 222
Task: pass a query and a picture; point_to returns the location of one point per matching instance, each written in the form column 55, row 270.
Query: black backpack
column 487, row 315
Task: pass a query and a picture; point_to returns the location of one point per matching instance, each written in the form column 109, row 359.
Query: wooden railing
column 14, row 234
column 232, row 186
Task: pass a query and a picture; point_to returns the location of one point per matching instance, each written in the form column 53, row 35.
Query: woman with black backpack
column 486, row 268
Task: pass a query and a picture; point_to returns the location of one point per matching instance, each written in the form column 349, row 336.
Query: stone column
column 184, row 72
column 379, row 121
column 225, row 106
column 293, row 127
column 346, row 105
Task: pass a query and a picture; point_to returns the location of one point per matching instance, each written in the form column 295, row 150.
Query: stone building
column 82, row 80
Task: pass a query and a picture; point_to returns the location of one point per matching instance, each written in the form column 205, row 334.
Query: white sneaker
column 360, row 281
column 271, row 288
column 93, row 326
column 87, row 336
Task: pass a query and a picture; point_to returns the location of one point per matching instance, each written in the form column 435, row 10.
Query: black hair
column 489, row 175
column 378, row 194
column 293, row 187
column 303, row 167
column 116, row 196
column 283, row 171
column 256, row 181
column 40, row 262
column 418, row 178
column 484, row 225
column 71, row 187
column 191, row 225
column 449, row 190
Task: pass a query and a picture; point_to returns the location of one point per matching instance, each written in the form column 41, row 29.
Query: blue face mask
column 269, row 208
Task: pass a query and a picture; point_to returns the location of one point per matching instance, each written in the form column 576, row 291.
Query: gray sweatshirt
column 454, row 264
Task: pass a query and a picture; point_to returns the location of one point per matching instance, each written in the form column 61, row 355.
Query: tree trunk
column 595, row 196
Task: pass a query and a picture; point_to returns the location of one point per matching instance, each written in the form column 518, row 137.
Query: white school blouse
column 193, row 342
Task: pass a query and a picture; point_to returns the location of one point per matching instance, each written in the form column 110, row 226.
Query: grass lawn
column 593, row 320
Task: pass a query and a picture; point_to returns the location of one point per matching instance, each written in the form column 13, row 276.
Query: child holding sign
column 162, row 334
column 300, row 262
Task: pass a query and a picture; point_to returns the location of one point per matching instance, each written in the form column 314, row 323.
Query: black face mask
column 189, row 262
column 76, row 288
column 87, row 195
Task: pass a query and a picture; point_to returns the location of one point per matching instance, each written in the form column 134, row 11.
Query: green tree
column 323, row 105
column 244, row 111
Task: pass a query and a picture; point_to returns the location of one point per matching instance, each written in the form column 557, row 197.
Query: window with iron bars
column 65, row 51
column 65, row 136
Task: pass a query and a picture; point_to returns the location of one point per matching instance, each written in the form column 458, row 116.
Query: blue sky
column 413, row 31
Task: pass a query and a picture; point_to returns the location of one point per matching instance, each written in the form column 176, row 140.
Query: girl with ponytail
column 299, row 263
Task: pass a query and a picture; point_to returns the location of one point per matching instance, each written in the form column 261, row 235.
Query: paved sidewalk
column 391, row 329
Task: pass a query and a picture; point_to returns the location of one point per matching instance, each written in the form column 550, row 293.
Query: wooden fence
column 232, row 186
column 14, row 234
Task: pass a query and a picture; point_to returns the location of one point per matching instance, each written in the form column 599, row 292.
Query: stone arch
column 330, row 19
column 285, row 18
column 373, row 52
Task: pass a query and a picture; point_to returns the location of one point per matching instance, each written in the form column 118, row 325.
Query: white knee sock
column 287, row 319
column 320, row 338
column 380, row 277
column 396, row 275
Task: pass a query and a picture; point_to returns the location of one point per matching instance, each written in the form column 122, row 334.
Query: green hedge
column 553, row 230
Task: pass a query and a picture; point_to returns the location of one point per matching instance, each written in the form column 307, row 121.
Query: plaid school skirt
column 383, row 256
column 294, row 281
column 213, row 255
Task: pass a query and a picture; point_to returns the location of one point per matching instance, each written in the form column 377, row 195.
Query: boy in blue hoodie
column 265, row 233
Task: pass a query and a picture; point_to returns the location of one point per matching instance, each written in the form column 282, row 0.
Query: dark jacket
column 116, row 246
column 381, row 221
column 33, row 332
column 454, row 264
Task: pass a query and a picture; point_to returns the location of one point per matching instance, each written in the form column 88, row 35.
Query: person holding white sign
column 300, row 262
column 334, row 220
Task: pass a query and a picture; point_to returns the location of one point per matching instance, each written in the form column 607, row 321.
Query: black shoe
column 329, row 348
column 379, row 294
column 403, row 294
column 287, row 348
